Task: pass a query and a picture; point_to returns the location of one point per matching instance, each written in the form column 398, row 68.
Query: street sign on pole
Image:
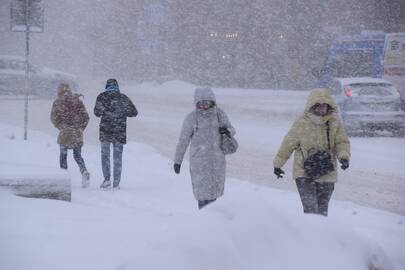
column 34, row 20
column 27, row 16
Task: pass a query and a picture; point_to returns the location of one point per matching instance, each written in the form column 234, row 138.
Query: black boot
column 203, row 203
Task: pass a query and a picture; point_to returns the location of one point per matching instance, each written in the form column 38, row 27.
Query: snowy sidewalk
column 376, row 177
column 153, row 222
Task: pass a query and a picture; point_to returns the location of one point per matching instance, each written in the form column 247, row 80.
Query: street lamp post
column 27, row 70
column 27, row 16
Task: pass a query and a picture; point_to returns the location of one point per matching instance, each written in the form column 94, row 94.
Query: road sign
column 27, row 12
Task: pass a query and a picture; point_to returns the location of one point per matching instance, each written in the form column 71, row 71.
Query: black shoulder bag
column 229, row 144
column 320, row 163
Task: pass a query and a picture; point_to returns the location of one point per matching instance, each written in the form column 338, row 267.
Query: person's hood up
column 320, row 95
column 112, row 85
column 204, row 93
column 64, row 90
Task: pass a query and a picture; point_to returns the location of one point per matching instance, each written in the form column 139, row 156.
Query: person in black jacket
column 113, row 107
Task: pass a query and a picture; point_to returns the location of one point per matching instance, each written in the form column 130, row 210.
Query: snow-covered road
column 376, row 177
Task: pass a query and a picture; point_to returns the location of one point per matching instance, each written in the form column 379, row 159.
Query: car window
column 372, row 89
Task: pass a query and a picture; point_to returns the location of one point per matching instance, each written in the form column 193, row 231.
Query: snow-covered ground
column 153, row 221
column 376, row 177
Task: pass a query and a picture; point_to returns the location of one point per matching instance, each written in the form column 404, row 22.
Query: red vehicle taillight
column 348, row 92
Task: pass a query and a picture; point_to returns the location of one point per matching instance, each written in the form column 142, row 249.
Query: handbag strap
column 328, row 133
column 327, row 136
column 196, row 124
column 196, row 118
column 219, row 121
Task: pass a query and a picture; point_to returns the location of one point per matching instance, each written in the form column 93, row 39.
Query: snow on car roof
column 347, row 81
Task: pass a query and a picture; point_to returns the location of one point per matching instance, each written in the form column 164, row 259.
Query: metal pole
column 27, row 72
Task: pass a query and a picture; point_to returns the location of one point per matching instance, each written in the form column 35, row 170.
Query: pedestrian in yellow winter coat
column 318, row 139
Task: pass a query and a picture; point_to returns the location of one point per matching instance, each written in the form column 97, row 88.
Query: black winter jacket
column 114, row 108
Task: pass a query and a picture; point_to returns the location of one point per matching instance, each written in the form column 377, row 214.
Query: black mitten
column 176, row 168
column 224, row 130
column 344, row 164
column 279, row 172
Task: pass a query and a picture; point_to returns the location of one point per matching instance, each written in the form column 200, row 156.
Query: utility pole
column 27, row 16
column 27, row 70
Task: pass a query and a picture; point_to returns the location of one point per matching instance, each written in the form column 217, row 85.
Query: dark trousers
column 315, row 196
column 204, row 203
column 77, row 154
column 117, row 161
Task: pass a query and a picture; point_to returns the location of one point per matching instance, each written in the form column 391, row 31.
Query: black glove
column 344, row 164
column 224, row 130
column 177, row 168
column 279, row 172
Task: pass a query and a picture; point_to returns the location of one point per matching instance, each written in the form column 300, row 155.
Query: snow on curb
column 36, row 182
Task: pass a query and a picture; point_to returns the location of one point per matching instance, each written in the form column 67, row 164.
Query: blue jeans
column 77, row 154
column 117, row 160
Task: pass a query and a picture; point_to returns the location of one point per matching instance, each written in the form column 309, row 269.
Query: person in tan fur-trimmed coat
column 70, row 117
column 308, row 135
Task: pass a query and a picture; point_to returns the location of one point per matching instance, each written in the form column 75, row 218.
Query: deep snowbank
column 153, row 222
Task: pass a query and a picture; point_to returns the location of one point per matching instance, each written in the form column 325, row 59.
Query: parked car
column 44, row 81
column 369, row 105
